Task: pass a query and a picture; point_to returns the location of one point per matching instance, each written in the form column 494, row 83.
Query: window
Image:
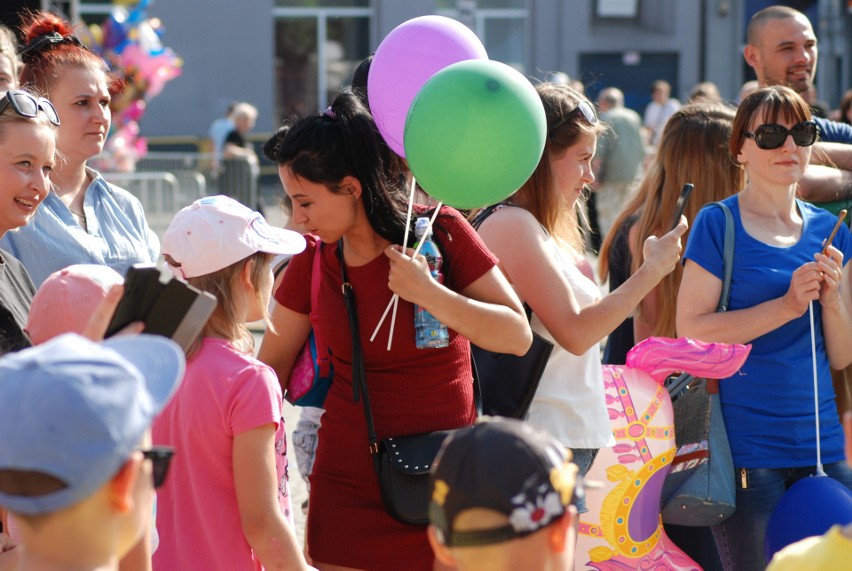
column 318, row 45
column 500, row 24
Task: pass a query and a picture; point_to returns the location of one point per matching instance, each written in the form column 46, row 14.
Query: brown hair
column 223, row 322
column 537, row 195
column 693, row 148
column 44, row 65
column 773, row 102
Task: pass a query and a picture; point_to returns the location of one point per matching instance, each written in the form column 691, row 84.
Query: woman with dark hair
column 346, row 191
column 538, row 236
column 84, row 219
column 693, row 149
column 781, row 266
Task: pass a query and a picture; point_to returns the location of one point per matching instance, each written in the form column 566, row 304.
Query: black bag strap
column 359, row 380
column 676, row 386
column 477, row 221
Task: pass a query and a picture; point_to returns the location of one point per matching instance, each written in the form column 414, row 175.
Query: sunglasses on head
column 161, row 458
column 772, row 136
column 584, row 108
column 26, row 105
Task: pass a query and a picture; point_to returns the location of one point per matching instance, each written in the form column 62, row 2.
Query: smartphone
column 685, row 193
column 166, row 305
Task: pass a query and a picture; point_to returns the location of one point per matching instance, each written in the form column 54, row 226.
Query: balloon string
column 395, row 297
column 819, row 470
column 395, row 300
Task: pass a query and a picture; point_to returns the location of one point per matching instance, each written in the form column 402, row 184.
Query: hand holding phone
column 680, row 205
column 167, row 306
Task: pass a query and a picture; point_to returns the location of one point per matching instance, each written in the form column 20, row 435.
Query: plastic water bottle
column 428, row 331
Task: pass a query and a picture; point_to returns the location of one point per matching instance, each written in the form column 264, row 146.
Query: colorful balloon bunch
column 472, row 129
column 131, row 44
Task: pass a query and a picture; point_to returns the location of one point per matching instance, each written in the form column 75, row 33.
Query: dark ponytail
column 344, row 141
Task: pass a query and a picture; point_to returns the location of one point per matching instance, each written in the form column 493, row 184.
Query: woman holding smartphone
column 780, row 268
column 538, row 239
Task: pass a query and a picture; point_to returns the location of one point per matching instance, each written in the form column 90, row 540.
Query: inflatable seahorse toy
column 623, row 529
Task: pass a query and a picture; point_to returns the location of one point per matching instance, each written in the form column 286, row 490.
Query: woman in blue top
column 778, row 271
column 84, row 219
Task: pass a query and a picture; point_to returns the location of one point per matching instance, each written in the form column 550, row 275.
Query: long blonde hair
column 222, row 283
column 538, row 194
column 693, row 148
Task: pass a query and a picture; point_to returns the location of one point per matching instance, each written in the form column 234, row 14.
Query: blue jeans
column 584, row 458
column 740, row 538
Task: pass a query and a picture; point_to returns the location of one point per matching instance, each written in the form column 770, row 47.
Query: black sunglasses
column 26, row 105
column 161, row 458
column 583, row 107
column 772, row 136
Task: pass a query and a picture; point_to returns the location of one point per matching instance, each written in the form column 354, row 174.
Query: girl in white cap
column 227, row 496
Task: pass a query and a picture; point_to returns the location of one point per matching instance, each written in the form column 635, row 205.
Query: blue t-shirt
column 833, row 131
column 769, row 405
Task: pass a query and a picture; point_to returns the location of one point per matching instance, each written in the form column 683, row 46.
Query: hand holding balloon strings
column 395, row 299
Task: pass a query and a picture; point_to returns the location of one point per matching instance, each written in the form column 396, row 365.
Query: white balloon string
column 819, row 470
column 395, row 297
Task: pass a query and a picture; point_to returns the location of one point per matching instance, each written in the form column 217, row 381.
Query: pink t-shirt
column 224, row 393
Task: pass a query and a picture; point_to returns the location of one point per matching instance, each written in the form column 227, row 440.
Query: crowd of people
column 90, row 428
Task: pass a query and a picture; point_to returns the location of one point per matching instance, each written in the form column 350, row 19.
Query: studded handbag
column 401, row 463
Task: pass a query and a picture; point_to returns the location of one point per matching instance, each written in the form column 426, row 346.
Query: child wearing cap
column 75, row 444
column 227, row 505
column 503, row 498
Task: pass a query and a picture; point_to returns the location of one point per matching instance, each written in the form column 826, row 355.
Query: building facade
column 292, row 56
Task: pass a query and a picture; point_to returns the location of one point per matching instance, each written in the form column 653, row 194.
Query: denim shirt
column 117, row 234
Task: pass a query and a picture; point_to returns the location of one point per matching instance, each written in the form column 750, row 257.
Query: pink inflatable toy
column 623, row 529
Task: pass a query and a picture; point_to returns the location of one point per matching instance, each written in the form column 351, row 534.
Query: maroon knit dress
column 411, row 390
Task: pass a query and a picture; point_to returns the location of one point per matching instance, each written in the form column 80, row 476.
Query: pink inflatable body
column 622, row 529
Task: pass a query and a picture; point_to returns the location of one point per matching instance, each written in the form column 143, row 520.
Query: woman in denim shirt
column 84, row 219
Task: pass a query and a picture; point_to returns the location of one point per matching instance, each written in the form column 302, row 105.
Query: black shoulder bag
column 402, row 463
column 508, row 382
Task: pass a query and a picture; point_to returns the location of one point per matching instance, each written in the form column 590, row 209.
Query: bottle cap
column 420, row 227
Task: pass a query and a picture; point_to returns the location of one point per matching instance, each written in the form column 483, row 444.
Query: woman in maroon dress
column 345, row 187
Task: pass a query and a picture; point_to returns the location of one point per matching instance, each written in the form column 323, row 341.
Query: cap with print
column 503, row 465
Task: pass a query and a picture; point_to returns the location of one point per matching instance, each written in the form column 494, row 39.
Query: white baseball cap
column 214, row 232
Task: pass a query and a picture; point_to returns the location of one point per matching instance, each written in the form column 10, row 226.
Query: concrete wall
column 228, row 54
column 228, row 50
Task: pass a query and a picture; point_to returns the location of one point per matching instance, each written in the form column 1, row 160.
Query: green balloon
column 475, row 133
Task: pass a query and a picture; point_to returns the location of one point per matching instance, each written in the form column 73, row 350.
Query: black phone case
column 172, row 308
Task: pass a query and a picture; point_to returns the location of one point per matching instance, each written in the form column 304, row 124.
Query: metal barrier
column 235, row 177
column 160, row 193
column 165, row 182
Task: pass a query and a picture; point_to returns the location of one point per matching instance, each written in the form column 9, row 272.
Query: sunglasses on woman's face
column 25, row 105
column 772, row 136
column 161, row 458
column 584, row 108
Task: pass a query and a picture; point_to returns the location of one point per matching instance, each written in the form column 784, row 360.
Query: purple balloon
column 409, row 55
